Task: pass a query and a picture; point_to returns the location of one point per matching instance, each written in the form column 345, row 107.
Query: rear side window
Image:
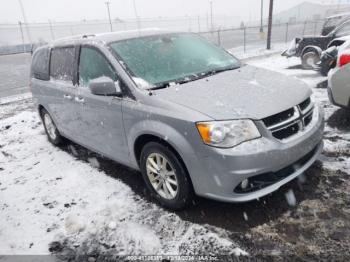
column 93, row 65
column 62, row 63
column 40, row 64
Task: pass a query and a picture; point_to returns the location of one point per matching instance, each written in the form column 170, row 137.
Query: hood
column 247, row 92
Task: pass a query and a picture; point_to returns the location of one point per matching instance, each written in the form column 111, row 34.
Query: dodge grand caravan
column 187, row 114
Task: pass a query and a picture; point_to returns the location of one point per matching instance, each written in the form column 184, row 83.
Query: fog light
column 244, row 183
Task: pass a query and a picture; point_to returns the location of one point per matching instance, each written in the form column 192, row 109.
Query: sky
column 76, row 10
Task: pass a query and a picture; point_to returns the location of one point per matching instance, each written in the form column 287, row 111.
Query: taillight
column 344, row 59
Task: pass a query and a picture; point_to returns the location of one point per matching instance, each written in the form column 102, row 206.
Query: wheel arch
column 310, row 48
column 143, row 139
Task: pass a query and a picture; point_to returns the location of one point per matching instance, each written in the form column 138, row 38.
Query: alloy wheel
column 162, row 176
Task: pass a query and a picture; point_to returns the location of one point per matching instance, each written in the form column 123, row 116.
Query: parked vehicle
column 309, row 48
column 328, row 58
column 333, row 21
column 338, row 81
column 184, row 112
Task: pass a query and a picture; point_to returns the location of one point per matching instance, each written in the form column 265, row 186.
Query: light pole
column 137, row 17
column 211, row 16
column 261, row 17
column 20, row 28
column 109, row 15
column 25, row 20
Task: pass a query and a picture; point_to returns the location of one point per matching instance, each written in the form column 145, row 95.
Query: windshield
column 334, row 21
column 168, row 58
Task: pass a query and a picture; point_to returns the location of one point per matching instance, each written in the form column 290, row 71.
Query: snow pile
column 48, row 196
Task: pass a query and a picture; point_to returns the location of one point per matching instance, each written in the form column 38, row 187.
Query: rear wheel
column 165, row 176
column 310, row 59
column 51, row 130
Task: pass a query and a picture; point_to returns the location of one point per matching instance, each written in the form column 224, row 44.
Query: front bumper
column 289, row 53
column 224, row 169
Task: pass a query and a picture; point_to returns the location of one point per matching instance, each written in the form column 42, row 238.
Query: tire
column 184, row 191
column 53, row 135
column 309, row 60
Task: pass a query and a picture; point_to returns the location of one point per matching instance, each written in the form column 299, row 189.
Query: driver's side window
column 343, row 31
column 93, row 64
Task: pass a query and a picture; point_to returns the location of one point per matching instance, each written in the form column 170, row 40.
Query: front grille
column 305, row 104
column 264, row 180
column 287, row 131
column 280, row 117
column 291, row 121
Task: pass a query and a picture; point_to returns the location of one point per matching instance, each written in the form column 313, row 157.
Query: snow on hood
column 247, row 92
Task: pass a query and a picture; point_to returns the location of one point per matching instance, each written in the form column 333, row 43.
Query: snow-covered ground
column 70, row 201
column 46, row 194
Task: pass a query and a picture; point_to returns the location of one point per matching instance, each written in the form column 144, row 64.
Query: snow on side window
column 62, row 63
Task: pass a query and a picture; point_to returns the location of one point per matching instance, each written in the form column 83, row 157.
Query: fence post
column 244, row 38
column 305, row 23
column 287, row 32
column 219, row 38
column 21, row 31
column 315, row 28
column 51, row 30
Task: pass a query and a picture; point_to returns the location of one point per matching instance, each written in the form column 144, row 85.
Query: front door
column 100, row 117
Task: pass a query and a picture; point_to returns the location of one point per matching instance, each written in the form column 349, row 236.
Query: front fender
column 178, row 140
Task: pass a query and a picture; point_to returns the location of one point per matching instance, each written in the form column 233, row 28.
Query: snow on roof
column 110, row 36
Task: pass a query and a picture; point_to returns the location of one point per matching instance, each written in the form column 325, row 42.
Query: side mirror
column 104, row 86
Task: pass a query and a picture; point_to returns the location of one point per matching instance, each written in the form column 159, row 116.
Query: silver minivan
column 186, row 113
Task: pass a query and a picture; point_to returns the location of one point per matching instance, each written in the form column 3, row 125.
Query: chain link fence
column 249, row 38
column 16, row 38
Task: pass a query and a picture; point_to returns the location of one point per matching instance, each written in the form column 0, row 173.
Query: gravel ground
column 306, row 220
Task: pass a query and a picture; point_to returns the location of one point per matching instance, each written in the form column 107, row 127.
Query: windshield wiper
column 192, row 77
column 218, row 70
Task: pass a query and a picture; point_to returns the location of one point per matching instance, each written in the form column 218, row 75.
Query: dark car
column 333, row 21
column 330, row 55
column 309, row 48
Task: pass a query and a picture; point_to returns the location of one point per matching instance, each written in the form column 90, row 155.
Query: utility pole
column 211, row 16
column 270, row 25
column 25, row 20
column 51, row 30
column 261, row 17
column 137, row 17
column 109, row 15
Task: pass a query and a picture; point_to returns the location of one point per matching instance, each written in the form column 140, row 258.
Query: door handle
column 79, row 99
column 69, row 97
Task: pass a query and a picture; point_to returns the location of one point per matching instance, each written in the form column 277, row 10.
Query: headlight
column 227, row 133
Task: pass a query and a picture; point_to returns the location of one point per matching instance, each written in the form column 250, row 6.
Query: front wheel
column 309, row 60
column 165, row 176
